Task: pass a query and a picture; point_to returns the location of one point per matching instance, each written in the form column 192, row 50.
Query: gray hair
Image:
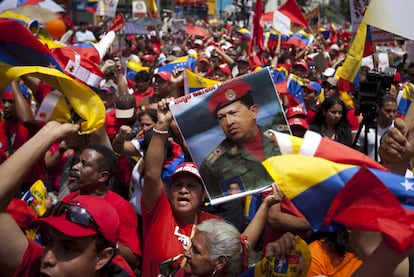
column 223, row 239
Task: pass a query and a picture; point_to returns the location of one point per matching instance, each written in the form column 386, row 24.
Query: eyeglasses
column 75, row 214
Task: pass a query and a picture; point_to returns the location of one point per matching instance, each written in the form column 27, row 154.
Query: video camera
column 371, row 91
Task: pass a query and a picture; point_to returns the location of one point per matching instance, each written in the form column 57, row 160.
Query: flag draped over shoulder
column 194, row 82
column 256, row 43
column 15, row 61
column 333, row 184
column 362, row 46
column 292, row 10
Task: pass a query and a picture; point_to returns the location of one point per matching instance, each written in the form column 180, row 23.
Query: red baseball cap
column 296, row 121
column 148, row 57
column 8, row 95
column 186, row 168
column 228, row 94
column 295, row 112
column 105, row 218
column 164, row 75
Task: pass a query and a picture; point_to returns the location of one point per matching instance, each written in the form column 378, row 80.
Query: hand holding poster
column 227, row 143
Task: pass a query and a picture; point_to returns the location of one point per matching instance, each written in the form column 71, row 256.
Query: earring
column 214, row 273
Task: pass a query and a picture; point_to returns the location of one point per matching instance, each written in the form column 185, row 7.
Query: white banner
column 392, row 16
column 281, row 23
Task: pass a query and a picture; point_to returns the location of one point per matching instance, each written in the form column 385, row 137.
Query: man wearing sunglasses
column 80, row 236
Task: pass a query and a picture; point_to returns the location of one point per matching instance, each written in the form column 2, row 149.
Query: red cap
column 8, row 95
column 224, row 68
column 164, row 75
column 148, row 57
column 298, row 122
column 203, row 59
column 186, row 168
column 228, row 94
column 301, row 63
column 103, row 213
column 295, row 112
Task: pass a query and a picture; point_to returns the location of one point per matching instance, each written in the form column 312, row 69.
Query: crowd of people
column 128, row 200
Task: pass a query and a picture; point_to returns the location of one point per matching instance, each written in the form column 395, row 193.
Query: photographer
column 385, row 121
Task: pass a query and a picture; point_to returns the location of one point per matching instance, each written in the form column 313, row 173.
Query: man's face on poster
column 238, row 121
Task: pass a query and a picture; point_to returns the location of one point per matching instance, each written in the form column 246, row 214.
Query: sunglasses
column 75, row 214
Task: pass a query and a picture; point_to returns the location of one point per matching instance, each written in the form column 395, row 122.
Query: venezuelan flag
column 312, row 160
column 406, row 99
column 194, row 82
column 185, row 62
column 295, row 89
column 314, row 145
column 15, row 62
column 272, row 37
column 132, row 68
column 362, row 46
column 312, row 184
column 300, row 39
column 279, row 79
column 243, row 33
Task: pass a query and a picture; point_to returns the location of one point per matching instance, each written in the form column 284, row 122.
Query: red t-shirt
column 18, row 136
column 112, row 124
column 128, row 234
column 139, row 95
column 165, row 236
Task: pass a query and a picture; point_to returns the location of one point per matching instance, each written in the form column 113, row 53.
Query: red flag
column 376, row 209
column 292, row 10
column 256, row 45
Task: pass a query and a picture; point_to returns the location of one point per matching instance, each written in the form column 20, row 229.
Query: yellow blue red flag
column 84, row 103
column 359, row 193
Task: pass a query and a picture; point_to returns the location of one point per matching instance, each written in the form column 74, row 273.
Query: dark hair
column 108, row 160
column 387, row 99
column 142, row 76
column 342, row 128
column 338, row 240
column 284, row 57
column 151, row 113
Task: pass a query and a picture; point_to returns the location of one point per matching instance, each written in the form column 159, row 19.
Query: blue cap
column 314, row 86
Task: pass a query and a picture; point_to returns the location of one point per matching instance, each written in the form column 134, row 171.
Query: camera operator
column 385, row 121
column 378, row 109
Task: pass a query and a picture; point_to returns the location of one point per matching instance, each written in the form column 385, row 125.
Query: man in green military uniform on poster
column 244, row 148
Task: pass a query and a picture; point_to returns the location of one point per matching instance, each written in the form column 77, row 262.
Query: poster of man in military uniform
column 224, row 130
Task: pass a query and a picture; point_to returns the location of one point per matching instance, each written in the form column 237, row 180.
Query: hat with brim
column 101, row 211
column 125, row 104
column 67, row 227
column 298, row 122
column 188, row 168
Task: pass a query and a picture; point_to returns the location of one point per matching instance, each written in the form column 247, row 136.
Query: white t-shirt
column 371, row 139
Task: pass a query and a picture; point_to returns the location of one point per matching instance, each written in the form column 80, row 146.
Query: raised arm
column 12, row 172
column 154, row 158
column 256, row 226
column 397, row 147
